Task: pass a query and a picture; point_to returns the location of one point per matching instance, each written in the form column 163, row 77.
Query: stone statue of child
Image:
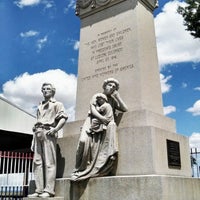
column 51, row 118
column 101, row 112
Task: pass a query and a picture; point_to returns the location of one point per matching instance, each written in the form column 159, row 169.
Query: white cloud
column 23, row 3
column 195, row 109
column 76, row 45
column 184, row 85
column 48, row 3
column 194, row 140
column 71, row 5
column 73, row 43
column 174, row 43
column 169, row 109
column 73, row 60
column 197, row 88
column 41, row 43
column 25, row 90
column 30, row 33
column 165, row 87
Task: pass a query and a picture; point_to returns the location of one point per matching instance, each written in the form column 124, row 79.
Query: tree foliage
column 191, row 16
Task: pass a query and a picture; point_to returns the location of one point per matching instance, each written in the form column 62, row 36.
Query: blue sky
column 39, row 42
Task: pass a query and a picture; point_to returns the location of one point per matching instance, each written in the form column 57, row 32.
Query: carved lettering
column 106, row 52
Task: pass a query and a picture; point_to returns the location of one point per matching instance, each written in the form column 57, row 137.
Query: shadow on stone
column 118, row 118
column 77, row 189
column 60, row 163
column 114, row 168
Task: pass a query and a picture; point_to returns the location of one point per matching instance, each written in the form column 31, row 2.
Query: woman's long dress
column 97, row 152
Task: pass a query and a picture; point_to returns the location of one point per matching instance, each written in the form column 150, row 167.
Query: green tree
column 191, row 16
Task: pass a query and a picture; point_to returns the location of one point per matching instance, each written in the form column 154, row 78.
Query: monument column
column 117, row 39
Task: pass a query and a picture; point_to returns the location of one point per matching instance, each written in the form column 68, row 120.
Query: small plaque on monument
column 173, row 154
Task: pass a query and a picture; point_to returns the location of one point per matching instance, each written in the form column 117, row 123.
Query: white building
column 15, row 127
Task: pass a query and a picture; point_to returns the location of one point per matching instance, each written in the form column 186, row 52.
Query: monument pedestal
column 146, row 187
column 143, row 146
column 48, row 198
column 143, row 170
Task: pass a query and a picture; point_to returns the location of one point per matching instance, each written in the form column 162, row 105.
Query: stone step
column 140, row 187
column 39, row 198
column 62, row 187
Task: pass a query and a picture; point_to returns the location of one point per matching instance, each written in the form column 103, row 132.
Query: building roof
column 15, row 119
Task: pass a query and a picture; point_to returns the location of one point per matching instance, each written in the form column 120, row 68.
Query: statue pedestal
column 49, row 198
column 143, row 171
column 143, row 146
column 149, row 187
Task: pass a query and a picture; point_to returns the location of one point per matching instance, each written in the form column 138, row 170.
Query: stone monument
column 117, row 39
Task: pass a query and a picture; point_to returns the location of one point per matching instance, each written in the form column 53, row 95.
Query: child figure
column 101, row 113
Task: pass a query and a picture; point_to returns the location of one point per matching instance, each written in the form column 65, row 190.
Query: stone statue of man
column 51, row 118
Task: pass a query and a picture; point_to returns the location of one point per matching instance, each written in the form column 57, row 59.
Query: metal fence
column 15, row 173
column 195, row 162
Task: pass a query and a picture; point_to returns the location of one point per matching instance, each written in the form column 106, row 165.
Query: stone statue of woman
column 98, row 145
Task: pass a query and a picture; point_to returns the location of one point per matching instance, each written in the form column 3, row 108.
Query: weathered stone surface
column 148, row 187
column 112, row 45
column 86, row 8
column 49, row 198
column 129, row 119
column 143, row 150
column 146, row 118
column 142, row 146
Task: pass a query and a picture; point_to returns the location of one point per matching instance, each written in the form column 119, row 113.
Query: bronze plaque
column 173, row 154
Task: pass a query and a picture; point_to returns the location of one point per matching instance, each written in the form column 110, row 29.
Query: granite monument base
column 145, row 187
column 143, row 146
column 148, row 167
column 47, row 198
